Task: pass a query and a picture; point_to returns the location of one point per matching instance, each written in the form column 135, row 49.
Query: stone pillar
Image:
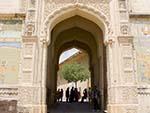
column 32, row 89
column 122, row 88
column 43, row 53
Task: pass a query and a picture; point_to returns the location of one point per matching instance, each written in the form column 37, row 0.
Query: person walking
column 90, row 95
column 58, row 95
column 95, row 97
column 84, row 95
column 72, row 94
column 61, row 95
column 67, row 95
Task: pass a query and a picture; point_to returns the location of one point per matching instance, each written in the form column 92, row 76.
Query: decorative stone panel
column 8, row 106
column 24, row 109
column 123, row 95
column 100, row 5
column 128, row 76
column 28, row 99
column 26, row 76
column 28, row 54
column 8, row 92
column 25, row 95
column 28, row 49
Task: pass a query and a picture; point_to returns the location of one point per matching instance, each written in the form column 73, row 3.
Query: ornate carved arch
column 70, row 10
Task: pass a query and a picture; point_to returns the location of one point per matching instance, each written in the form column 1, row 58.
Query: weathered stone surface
column 8, row 106
column 26, row 31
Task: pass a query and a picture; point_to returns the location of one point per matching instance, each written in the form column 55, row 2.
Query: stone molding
column 125, row 39
column 8, row 16
column 9, row 92
column 145, row 91
column 101, row 15
column 9, row 39
column 31, row 39
column 100, row 5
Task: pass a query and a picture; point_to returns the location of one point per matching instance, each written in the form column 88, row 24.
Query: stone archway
column 62, row 13
column 78, row 32
column 119, row 49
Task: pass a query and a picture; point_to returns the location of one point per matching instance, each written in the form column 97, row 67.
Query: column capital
column 44, row 42
column 109, row 41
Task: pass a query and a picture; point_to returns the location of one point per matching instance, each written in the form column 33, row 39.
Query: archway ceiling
column 76, row 37
column 80, row 22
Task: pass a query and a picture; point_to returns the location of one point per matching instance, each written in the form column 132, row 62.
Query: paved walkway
column 72, row 108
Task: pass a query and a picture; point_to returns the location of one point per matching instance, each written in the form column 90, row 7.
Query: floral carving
column 124, row 29
column 98, row 5
column 30, row 28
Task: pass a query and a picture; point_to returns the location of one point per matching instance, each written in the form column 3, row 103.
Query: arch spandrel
column 84, row 11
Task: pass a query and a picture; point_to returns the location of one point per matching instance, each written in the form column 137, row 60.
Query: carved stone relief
column 29, row 29
column 32, row 3
column 128, row 77
column 25, row 95
column 28, row 49
column 27, row 63
column 122, row 4
column 26, row 76
column 24, row 109
column 127, row 50
column 8, row 92
column 124, row 95
column 124, row 29
column 31, row 15
column 8, row 106
column 129, row 95
column 123, row 16
column 100, row 5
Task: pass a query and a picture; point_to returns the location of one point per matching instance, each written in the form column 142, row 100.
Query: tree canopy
column 75, row 72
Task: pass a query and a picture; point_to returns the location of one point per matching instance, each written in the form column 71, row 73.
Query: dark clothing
column 95, row 102
column 72, row 95
column 84, row 95
column 61, row 95
column 67, row 95
column 95, row 98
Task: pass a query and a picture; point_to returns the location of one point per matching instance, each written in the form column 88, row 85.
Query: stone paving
column 72, row 108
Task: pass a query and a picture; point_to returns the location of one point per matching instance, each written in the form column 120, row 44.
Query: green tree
column 75, row 72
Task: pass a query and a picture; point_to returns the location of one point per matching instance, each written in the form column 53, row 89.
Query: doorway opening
column 77, row 32
column 73, row 73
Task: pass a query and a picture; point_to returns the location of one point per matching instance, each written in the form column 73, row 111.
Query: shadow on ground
column 72, row 108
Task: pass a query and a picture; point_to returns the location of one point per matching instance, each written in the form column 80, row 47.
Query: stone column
column 28, row 91
column 122, row 88
column 44, row 48
column 32, row 89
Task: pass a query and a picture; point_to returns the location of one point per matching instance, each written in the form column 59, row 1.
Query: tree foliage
column 75, row 72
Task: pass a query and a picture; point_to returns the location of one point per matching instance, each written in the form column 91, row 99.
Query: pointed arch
column 76, row 9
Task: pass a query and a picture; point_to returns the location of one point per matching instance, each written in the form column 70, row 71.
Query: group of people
column 59, row 95
column 73, row 95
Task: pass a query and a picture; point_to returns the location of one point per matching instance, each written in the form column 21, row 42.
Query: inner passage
column 74, row 77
